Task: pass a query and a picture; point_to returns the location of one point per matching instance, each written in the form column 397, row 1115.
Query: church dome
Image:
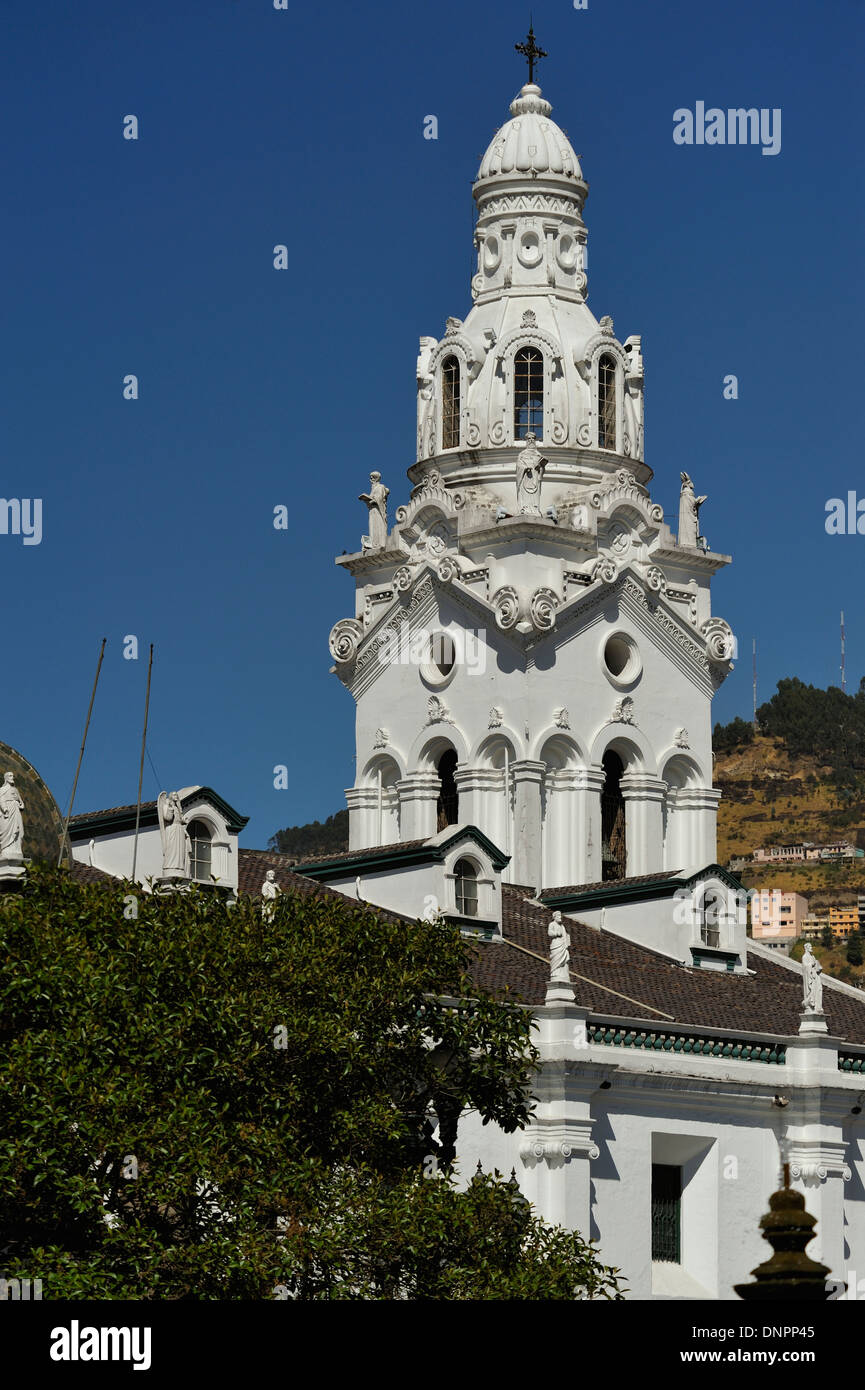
column 43, row 823
column 530, row 143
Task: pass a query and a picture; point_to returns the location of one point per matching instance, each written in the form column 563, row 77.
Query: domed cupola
column 530, row 144
column 530, row 358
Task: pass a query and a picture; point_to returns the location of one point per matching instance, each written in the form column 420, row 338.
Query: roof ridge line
column 594, row 983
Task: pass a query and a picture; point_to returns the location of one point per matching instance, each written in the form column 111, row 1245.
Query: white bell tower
column 533, row 651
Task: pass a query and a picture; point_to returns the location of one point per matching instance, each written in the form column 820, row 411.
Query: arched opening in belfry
column 450, row 403
column 613, row 846
column 607, row 402
column 447, row 806
column 528, row 393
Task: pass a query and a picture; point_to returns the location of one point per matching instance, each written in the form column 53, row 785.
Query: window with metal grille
column 199, row 851
column 466, row 888
column 450, row 403
column 447, row 808
column 528, row 393
column 710, row 926
column 613, row 848
column 607, row 403
column 667, row 1213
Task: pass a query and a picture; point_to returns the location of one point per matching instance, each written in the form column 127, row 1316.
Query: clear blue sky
column 260, row 387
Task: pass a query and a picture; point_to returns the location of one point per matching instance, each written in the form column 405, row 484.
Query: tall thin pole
column 141, row 765
column 755, row 682
column 81, row 754
column 843, row 656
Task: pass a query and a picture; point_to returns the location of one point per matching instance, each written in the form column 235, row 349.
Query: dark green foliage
column 854, row 948
column 301, row 841
column 733, row 735
column 826, row 724
column 827, row 938
column 195, row 1073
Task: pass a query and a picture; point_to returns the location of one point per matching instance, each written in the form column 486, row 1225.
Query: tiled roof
column 615, row 977
column 252, row 865
column 345, row 856
column 574, row 888
column 87, row 873
column 87, row 816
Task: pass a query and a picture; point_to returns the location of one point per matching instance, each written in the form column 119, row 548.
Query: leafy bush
column 199, row 1103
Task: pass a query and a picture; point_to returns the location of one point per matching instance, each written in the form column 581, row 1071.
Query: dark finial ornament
column 531, row 52
column 790, row 1273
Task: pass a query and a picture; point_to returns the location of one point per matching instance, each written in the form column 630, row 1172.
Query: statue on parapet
column 270, row 891
column 689, row 513
column 175, row 837
column 530, row 475
column 11, row 819
column 376, row 501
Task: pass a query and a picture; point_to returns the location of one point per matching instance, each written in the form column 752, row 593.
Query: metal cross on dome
column 531, row 52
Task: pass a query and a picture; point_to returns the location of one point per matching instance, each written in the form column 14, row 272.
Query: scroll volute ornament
column 506, row 602
column 345, row 638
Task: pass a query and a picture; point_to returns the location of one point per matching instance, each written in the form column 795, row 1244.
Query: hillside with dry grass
column 772, row 797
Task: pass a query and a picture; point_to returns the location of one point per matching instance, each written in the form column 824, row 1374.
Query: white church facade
column 532, row 655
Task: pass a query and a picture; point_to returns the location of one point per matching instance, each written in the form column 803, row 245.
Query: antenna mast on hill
column 843, row 656
column 755, row 682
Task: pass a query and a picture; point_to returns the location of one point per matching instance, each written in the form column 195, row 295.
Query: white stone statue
column 11, row 819
column 376, row 501
column 530, row 475
column 175, row 837
column 270, row 891
column 812, row 985
column 689, row 513
column 560, row 951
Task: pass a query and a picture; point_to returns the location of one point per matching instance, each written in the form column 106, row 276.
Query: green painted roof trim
column 647, row 891
column 367, row 860
column 113, row 822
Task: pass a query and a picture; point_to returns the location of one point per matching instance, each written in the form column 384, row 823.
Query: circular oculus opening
column 621, row 658
column 441, row 659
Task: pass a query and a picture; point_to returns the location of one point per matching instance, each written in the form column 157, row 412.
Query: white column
column 697, row 816
column 814, row 1144
column 527, row 778
column 562, row 848
column 481, row 801
column 586, row 848
column 418, row 795
column 644, row 829
column 557, row 1147
column 361, row 803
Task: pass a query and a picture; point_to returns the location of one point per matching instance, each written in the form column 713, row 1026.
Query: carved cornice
column 508, row 204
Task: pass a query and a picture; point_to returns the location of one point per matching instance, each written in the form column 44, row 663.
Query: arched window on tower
column 607, row 402
column 466, row 888
column 613, row 849
column 451, row 403
column 199, row 851
column 447, row 807
column 528, row 393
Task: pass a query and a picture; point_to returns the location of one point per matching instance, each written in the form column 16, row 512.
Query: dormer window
column 528, row 393
column 466, row 888
column 607, row 402
column 712, row 909
column 450, row 403
column 199, row 851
